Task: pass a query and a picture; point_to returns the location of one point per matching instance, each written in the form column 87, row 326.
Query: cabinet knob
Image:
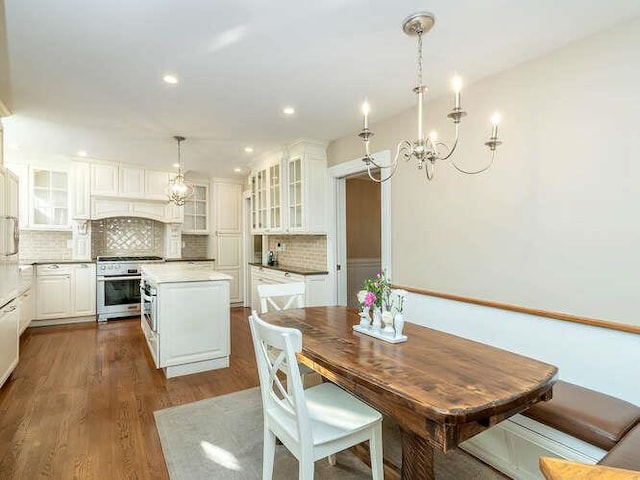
column 287, row 274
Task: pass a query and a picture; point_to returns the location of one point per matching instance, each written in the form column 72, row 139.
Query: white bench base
column 514, row 446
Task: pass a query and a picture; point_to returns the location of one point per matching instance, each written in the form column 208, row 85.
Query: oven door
column 118, row 296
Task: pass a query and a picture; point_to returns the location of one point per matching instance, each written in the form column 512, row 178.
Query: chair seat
column 333, row 413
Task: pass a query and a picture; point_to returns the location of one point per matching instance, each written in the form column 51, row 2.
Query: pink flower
column 369, row 299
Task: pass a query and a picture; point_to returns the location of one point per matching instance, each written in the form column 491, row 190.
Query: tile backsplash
column 44, row 245
column 301, row 250
column 195, row 246
column 127, row 236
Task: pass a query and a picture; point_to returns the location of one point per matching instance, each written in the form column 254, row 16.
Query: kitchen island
column 185, row 317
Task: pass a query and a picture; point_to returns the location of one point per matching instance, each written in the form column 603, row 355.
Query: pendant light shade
column 178, row 190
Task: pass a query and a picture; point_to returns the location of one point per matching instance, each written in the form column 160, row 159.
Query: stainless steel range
column 118, row 286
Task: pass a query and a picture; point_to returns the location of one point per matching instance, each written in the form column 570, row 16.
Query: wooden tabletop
column 442, row 387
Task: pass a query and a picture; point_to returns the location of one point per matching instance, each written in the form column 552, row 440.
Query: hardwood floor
column 80, row 403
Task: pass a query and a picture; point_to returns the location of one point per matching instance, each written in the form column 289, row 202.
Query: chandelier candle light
column 178, row 190
column 427, row 151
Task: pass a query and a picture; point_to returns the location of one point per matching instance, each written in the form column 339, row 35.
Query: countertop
column 190, row 260
column 27, row 261
column 291, row 269
column 178, row 272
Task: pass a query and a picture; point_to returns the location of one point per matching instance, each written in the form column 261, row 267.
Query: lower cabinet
column 192, row 327
column 27, row 307
column 316, row 286
column 65, row 290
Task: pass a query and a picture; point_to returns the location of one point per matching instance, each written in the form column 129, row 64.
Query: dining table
column 440, row 388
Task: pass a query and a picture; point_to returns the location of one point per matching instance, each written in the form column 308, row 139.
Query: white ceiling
column 86, row 75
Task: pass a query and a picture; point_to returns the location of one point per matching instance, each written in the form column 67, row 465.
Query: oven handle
column 130, row 277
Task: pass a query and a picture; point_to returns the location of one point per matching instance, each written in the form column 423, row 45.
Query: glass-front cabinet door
column 295, row 193
column 50, row 198
column 196, row 211
column 275, row 205
column 259, row 201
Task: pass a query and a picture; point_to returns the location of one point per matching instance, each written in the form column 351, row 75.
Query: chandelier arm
column 394, row 165
column 455, row 144
column 474, row 172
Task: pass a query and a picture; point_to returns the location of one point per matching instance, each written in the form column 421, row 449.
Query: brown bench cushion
column 594, row 417
column 626, row 454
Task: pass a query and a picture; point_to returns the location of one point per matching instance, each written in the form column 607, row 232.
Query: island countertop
column 176, row 272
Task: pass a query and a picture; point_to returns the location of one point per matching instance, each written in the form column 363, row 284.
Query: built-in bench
column 594, row 417
column 577, row 424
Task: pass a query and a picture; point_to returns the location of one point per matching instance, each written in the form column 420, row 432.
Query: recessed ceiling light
column 248, row 149
column 14, row 146
column 288, row 110
column 82, row 153
column 176, row 165
column 172, row 79
column 237, row 169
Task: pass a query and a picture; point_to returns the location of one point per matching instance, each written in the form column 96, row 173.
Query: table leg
column 417, row 457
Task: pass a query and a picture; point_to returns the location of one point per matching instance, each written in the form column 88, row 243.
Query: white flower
column 399, row 296
column 361, row 295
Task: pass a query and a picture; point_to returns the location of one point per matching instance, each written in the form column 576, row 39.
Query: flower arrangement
column 378, row 292
column 399, row 297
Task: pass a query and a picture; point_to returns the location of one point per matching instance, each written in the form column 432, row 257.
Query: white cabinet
column 84, row 289
column 155, row 185
column 49, row 195
column 288, row 194
column 128, row 181
column 131, row 182
column 193, row 327
column 80, row 190
column 306, row 188
column 104, row 179
column 9, row 338
column 229, row 261
column 196, row 211
column 53, row 286
column 27, row 305
column 12, row 195
column 228, row 207
column 267, row 199
column 316, row 286
column 172, row 241
column 65, row 290
column 227, row 241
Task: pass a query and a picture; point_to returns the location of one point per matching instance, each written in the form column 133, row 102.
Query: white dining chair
column 312, row 423
column 281, row 296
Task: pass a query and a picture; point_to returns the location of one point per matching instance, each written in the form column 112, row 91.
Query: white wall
column 602, row 359
column 553, row 225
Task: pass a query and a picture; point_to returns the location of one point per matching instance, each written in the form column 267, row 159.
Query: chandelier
column 178, row 190
column 426, row 150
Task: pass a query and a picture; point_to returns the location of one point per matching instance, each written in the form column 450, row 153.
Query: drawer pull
column 287, row 274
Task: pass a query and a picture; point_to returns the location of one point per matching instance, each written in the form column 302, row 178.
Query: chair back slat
column 281, row 296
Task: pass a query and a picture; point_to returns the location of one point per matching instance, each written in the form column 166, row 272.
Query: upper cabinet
column 104, row 179
column 266, row 197
column 196, row 211
column 49, row 194
column 307, row 187
column 288, row 195
column 128, row 181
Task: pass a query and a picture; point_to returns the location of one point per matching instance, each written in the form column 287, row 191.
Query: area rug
column 221, row 438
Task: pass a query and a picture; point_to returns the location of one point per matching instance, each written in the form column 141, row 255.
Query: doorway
column 337, row 256
column 362, row 231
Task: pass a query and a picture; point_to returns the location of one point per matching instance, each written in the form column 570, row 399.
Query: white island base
column 192, row 318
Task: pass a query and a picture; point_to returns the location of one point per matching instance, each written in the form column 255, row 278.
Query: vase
column 398, row 323
column 365, row 319
column 377, row 319
column 387, row 320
